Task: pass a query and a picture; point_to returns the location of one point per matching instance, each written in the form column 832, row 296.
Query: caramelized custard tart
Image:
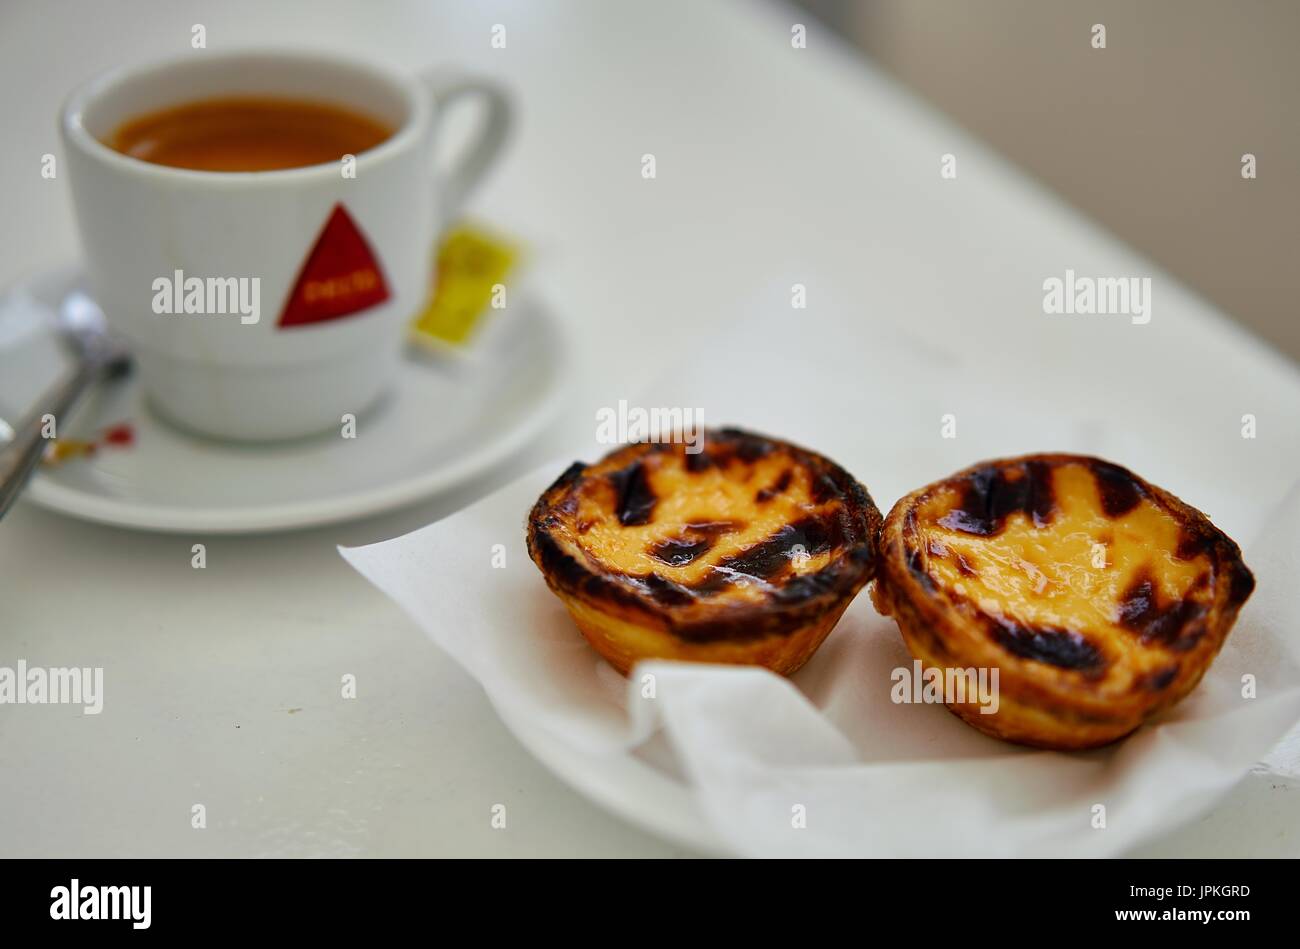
column 1100, row 598
column 745, row 552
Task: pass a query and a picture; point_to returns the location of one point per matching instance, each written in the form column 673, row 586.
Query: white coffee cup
column 148, row 228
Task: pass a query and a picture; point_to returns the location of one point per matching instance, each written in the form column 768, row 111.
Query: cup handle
column 477, row 157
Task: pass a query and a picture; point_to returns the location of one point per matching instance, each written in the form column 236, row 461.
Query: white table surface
column 222, row 685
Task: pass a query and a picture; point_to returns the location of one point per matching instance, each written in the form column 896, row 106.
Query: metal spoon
column 98, row 354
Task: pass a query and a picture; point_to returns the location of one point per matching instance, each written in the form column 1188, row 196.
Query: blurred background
column 916, row 289
column 1146, row 135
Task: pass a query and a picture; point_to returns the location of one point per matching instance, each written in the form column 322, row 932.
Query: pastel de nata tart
column 1100, row 598
column 745, row 552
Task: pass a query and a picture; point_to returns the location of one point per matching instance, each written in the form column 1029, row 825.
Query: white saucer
column 442, row 425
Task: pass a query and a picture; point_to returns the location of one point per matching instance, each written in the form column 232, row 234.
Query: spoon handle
column 19, row 458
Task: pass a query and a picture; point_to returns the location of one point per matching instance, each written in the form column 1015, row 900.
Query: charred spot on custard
column 936, row 548
column 774, row 555
column 729, row 446
column 1120, row 492
column 679, row 551
column 779, row 486
column 991, row 493
column 1172, row 624
column 697, row 461
column 693, row 542
column 636, row 500
column 667, row 591
column 1160, row 680
column 1062, row 648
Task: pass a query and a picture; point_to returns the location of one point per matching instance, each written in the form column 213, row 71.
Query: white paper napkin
column 825, row 764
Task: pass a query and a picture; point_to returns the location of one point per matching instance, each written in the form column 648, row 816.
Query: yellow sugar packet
column 470, row 275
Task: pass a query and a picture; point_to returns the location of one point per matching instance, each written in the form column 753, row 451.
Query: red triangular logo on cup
column 340, row 277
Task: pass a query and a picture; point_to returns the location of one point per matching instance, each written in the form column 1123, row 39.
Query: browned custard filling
column 697, row 529
column 1082, row 582
column 745, row 539
column 1075, row 566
